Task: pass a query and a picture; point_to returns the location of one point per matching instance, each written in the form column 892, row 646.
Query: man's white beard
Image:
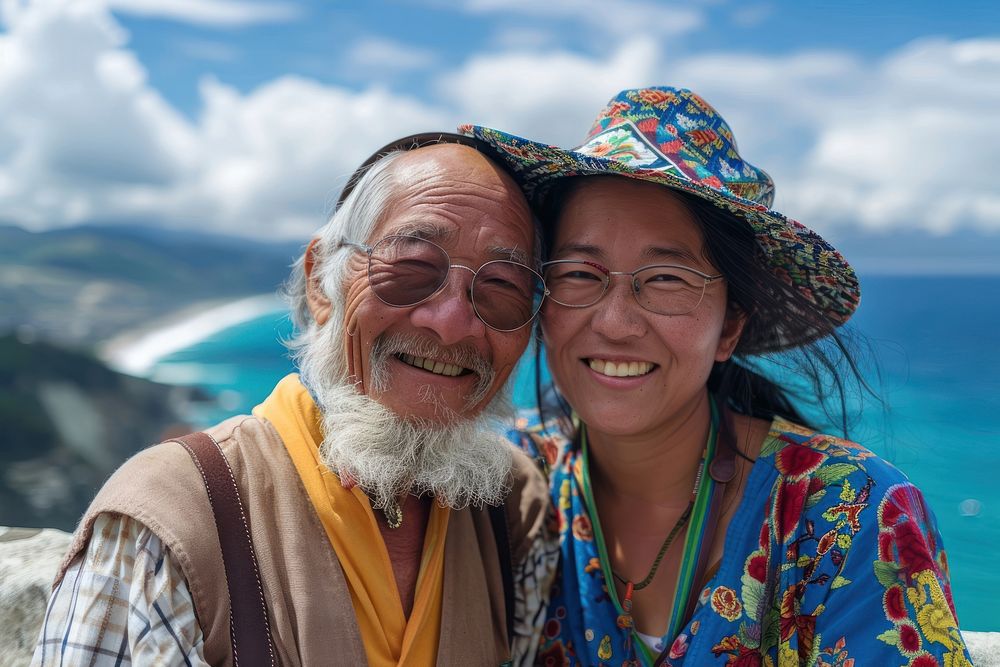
column 459, row 461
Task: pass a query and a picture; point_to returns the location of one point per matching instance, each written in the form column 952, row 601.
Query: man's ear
column 319, row 304
column 732, row 329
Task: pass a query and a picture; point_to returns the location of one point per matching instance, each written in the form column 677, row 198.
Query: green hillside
column 85, row 284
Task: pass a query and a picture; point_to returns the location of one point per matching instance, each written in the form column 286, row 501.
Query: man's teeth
column 437, row 367
column 620, row 369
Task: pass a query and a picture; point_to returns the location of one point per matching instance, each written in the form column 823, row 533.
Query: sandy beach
column 136, row 352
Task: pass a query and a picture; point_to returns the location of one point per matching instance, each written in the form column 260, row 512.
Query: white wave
column 138, row 354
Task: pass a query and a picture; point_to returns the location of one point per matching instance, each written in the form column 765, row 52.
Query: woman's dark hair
column 784, row 330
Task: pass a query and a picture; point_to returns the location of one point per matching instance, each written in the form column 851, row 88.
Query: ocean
column 935, row 339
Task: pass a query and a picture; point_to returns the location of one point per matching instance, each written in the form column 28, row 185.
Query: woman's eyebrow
column 652, row 254
column 659, row 254
column 581, row 249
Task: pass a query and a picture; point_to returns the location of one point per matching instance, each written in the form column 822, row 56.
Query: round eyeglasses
column 408, row 270
column 665, row 289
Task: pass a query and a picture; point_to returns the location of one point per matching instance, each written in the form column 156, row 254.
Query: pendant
column 625, row 620
column 393, row 514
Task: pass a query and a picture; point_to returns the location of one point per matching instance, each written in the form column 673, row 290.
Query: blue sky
column 246, row 117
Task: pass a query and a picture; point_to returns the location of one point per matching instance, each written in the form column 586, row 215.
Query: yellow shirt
column 389, row 638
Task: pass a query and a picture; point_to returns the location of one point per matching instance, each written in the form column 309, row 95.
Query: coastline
column 136, row 352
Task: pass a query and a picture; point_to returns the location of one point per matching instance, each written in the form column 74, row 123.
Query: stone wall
column 29, row 558
column 28, row 561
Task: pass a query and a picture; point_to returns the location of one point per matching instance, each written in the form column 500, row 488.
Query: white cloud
column 208, row 50
column 751, row 16
column 217, row 13
column 551, row 96
column 523, row 38
column 85, row 137
column 377, row 53
column 620, row 18
column 905, row 141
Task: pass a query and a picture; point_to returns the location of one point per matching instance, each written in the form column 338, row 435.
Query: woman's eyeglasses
column 665, row 289
column 407, row 270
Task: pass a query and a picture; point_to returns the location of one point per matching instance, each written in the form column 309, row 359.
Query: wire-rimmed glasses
column 407, row 270
column 665, row 289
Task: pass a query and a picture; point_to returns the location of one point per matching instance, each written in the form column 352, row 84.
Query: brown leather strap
column 498, row 520
column 250, row 631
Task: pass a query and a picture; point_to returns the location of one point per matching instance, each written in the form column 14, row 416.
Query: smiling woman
column 703, row 521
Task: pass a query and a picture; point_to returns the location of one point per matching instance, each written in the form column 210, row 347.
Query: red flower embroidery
column 725, row 603
column 895, row 606
column 885, row 552
column 909, row 638
column 914, row 552
column 582, row 530
column 553, row 656
column 757, row 567
column 656, row 97
column 790, row 499
column 747, row 658
column 925, row 660
column 616, row 109
column 679, row 647
column 796, row 461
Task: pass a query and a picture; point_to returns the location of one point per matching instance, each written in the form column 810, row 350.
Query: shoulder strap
column 250, row 631
column 498, row 519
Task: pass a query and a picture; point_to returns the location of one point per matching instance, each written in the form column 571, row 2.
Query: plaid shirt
column 125, row 601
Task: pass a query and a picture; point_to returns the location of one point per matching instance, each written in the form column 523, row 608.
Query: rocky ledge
column 29, row 558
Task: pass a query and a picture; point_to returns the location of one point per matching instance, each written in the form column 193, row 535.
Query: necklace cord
column 720, row 447
column 681, row 522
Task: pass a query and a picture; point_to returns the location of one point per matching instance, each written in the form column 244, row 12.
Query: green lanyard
column 701, row 500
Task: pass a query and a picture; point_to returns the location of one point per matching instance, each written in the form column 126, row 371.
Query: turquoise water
column 936, row 342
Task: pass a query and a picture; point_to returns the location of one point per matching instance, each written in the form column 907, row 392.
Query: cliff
column 68, row 422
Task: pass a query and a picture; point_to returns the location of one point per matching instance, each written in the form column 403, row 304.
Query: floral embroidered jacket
column 832, row 558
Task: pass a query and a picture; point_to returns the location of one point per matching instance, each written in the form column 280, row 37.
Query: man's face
column 456, row 198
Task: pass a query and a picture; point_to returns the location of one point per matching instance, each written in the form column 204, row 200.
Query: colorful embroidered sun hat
column 671, row 136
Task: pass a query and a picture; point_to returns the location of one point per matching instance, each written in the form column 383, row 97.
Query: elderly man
column 362, row 480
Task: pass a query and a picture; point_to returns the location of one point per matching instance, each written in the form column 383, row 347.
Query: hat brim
column 797, row 255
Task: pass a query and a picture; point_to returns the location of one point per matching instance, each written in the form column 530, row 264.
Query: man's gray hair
column 355, row 220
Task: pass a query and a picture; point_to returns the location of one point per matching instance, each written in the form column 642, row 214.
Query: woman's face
column 623, row 224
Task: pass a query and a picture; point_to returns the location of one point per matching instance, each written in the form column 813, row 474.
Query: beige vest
column 309, row 605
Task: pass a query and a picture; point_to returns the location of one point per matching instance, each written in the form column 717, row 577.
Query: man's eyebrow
column 512, row 254
column 442, row 235
column 425, row 230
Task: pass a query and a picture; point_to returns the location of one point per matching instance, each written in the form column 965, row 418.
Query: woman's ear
column 319, row 303
column 732, row 329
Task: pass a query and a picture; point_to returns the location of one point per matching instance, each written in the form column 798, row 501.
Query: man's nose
column 450, row 313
